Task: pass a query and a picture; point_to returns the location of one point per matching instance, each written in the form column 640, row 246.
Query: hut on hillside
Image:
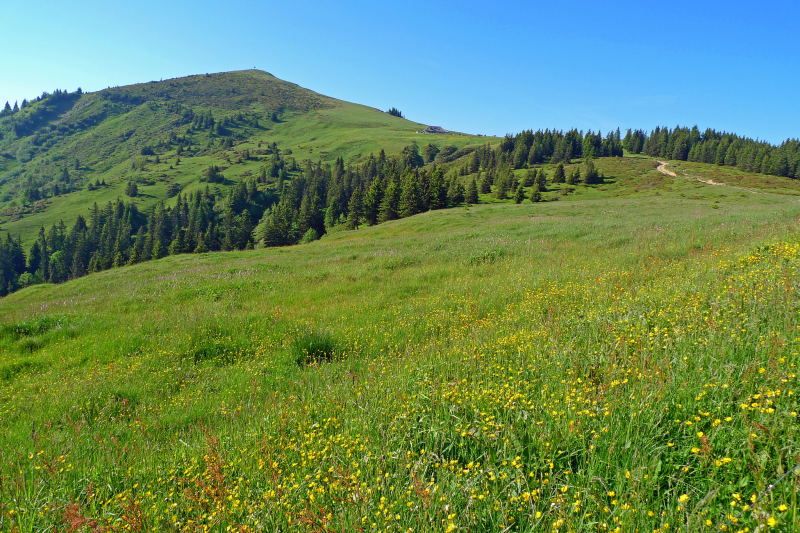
column 435, row 129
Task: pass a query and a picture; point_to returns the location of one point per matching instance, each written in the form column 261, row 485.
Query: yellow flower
column 684, row 498
column 771, row 522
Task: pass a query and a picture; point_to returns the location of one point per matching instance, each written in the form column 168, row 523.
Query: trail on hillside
column 662, row 167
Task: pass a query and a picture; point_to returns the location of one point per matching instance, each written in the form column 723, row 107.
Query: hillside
column 54, row 150
column 622, row 358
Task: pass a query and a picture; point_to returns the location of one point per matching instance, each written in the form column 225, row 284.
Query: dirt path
column 662, row 167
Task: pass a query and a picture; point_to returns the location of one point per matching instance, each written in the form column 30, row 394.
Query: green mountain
column 62, row 152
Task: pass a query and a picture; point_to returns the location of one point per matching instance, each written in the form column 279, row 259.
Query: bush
column 173, row 189
column 310, row 235
column 314, row 347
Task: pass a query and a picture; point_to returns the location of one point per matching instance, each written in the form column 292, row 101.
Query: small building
column 435, row 129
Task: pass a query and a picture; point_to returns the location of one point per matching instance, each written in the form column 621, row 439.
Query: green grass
column 624, row 357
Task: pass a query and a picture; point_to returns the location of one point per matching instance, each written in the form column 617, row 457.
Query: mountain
column 62, row 152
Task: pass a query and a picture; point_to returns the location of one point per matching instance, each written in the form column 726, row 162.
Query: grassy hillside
column 100, row 137
column 621, row 359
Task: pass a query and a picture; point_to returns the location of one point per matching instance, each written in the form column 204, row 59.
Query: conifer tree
column 472, row 192
column 590, row 174
column 519, row 195
column 131, row 189
column 529, row 179
column 558, row 175
column 501, row 188
column 455, row 192
column 354, row 210
column 390, row 203
column 437, row 190
column 541, row 181
column 410, row 197
column 372, row 202
column 574, row 177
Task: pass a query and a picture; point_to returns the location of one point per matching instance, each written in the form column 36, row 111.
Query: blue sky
column 479, row 67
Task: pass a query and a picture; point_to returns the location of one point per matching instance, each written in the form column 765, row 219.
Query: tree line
column 717, row 148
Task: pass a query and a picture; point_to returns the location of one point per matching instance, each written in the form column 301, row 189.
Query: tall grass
column 576, row 366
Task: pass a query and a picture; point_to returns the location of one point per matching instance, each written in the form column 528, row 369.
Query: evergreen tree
column 455, row 192
column 529, row 179
column 390, row 203
column 472, row 192
column 372, row 202
column 519, row 195
column 501, row 189
column 354, row 210
column 229, row 239
column 437, row 190
column 559, row 175
column 590, row 174
column 411, row 196
column 132, row 189
column 574, row 177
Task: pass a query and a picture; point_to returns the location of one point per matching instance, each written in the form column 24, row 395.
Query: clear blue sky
column 479, row 67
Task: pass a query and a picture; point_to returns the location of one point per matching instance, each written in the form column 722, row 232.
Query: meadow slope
column 622, row 359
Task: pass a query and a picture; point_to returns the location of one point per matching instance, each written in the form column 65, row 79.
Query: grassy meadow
column 621, row 359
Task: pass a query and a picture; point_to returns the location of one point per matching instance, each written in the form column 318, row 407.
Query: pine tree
column 519, row 196
column 437, row 190
column 132, row 189
column 541, row 181
column 472, row 192
column 529, row 179
column 501, row 188
column 410, row 197
column 559, row 175
column 372, row 202
column 77, row 270
column 590, row 174
column 354, row 210
column 574, row 177
column 229, row 240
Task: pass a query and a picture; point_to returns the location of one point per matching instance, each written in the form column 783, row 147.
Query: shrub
column 314, row 347
column 310, row 235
